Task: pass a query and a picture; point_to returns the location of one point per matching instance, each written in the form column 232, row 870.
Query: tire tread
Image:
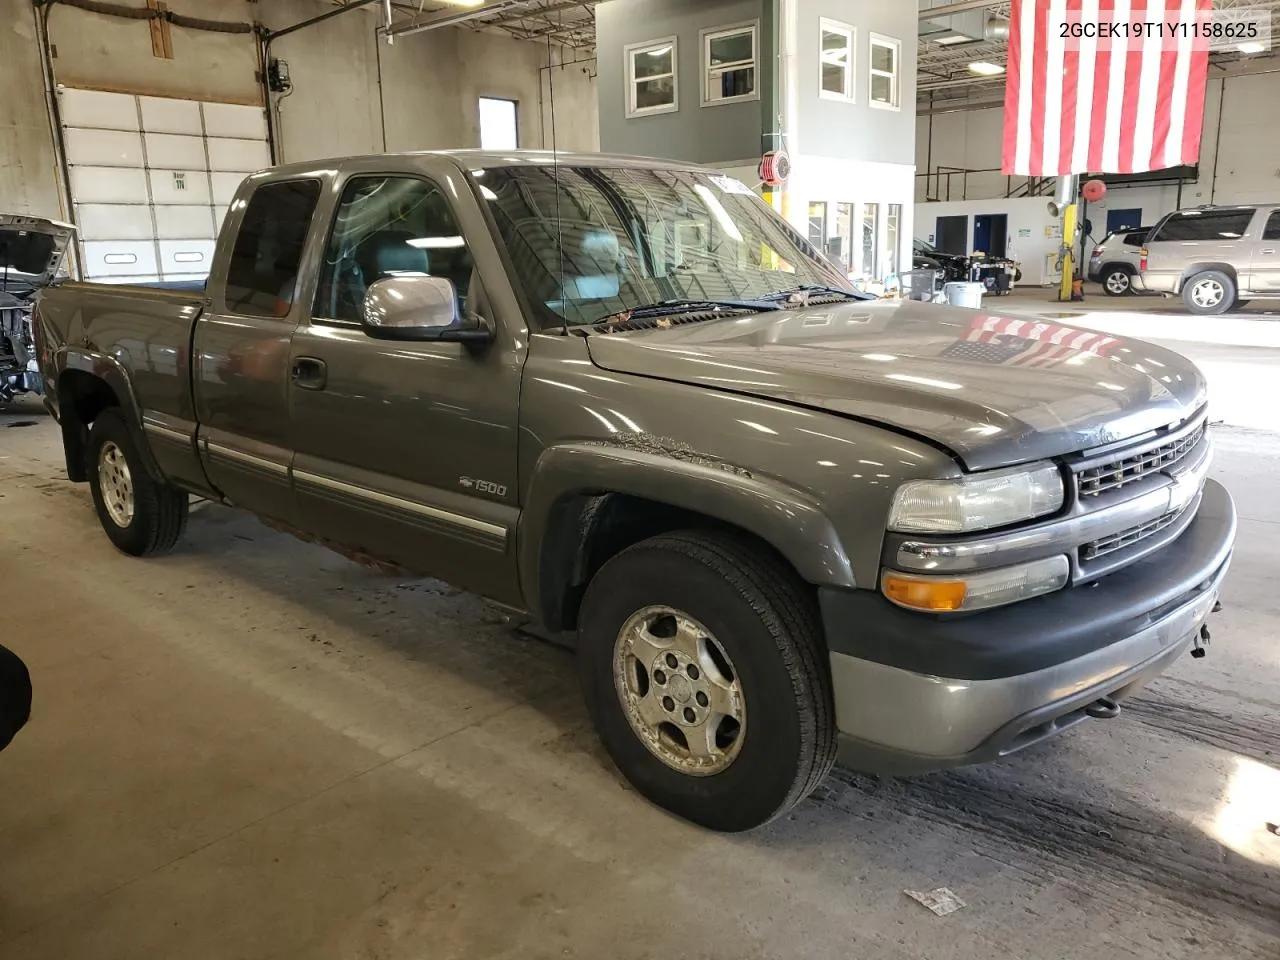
column 787, row 609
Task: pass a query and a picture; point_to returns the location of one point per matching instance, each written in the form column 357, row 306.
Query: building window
column 844, row 235
column 730, row 58
column 885, row 56
column 499, row 129
column 893, row 224
column 836, row 63
column 818, row 224
column 870, row 240
column 652, row 86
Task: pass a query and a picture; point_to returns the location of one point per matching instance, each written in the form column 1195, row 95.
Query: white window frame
column 895, row 78
column 850, row 33
column 719, row 33
column 629, row 54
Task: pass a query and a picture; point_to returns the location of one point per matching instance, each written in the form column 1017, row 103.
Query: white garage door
column 151, row 179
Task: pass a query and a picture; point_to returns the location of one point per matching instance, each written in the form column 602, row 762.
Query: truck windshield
column 632, row 237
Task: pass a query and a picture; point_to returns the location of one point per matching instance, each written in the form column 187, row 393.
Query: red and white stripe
column 1051, row 343
column 1116, row 106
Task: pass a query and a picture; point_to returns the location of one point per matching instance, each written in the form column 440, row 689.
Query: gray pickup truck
column 627, row 401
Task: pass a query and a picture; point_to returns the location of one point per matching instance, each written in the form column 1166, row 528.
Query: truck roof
column 476, row 158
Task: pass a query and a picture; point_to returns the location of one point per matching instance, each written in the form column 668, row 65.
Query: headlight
column 976, row 591
column 982, row 501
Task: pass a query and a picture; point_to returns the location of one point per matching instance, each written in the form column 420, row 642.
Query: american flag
column 1117, row 104
column 1025, row 343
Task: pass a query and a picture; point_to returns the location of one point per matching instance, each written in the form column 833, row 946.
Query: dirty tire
column 159, row 510
column 1209, row 293
column 767, row 622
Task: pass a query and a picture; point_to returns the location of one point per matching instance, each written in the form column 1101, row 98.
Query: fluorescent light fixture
column 984, row 69
column 463, row 3
column 437, row 243
column 951, row 39
column 1253, row 46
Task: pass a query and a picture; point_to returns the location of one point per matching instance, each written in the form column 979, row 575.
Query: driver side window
column 384, row 227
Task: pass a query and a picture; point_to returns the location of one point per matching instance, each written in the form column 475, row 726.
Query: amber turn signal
column 921, row 594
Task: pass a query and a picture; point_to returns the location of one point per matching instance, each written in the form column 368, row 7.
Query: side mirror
column 419, row 307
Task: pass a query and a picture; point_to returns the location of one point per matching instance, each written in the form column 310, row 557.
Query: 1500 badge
column 487, row 487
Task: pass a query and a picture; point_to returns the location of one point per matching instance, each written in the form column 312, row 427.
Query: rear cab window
column 1213, row 225
column 1135, row 239
column 262, row 277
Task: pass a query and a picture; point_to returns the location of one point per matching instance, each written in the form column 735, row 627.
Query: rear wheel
column 1209, row 293
column 1117, row 282
column 139, row 515
column 702, row 663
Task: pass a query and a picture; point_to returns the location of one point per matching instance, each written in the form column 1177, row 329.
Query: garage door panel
column 172, row 151
column 187, row 187
column 113, row 220
column 180, row 223
column 163, row 115
column 103, row 148
column 187, row 257
column 234, row 120
column 109, row 185
column 120, row 258
column 93, row 108
column 146, row 200
column 225, row 186
column 244, row 156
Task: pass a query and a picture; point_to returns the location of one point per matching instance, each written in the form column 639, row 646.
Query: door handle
column 1268, row 253
column 309, row 373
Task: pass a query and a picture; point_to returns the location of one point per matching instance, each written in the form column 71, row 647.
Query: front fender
column 787, row 519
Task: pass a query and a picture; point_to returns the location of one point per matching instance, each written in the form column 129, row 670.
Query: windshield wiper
column 671, row 308
column 797, row 296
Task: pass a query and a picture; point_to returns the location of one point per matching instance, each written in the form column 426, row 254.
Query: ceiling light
column 1252, row 46
column 463, row 3
column 952, row 38
column 984, row 69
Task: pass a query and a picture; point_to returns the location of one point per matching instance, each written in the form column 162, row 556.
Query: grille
column 1111, row 476
column 1126, row 538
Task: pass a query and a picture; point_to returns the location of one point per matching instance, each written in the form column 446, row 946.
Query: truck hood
column 992, row 389
column 31, row 248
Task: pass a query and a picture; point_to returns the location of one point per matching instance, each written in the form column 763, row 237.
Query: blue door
column 1123, row 220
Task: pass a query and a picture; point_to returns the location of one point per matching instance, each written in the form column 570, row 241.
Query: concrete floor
column 253, row 748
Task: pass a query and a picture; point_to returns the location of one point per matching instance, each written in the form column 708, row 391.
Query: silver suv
column 1116, row 260
column 1217, row 258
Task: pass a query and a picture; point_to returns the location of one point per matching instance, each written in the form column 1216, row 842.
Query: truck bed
column 146, row 331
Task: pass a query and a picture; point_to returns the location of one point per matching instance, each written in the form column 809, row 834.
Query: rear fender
column 111, row 372
column 1191, row 271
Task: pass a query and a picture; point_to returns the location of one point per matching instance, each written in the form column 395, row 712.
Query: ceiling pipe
column 963, row 6
column 996, row 28
column 453, row 19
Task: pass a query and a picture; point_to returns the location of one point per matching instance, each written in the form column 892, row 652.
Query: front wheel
column 1117, row 282
column 702, row 663
column 1209, row 293
column 139, row 515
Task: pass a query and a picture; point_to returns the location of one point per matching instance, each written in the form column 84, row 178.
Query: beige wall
column 28, row 183
column 430, row 83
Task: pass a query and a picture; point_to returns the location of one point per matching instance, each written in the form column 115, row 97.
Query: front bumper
column 915, row 693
